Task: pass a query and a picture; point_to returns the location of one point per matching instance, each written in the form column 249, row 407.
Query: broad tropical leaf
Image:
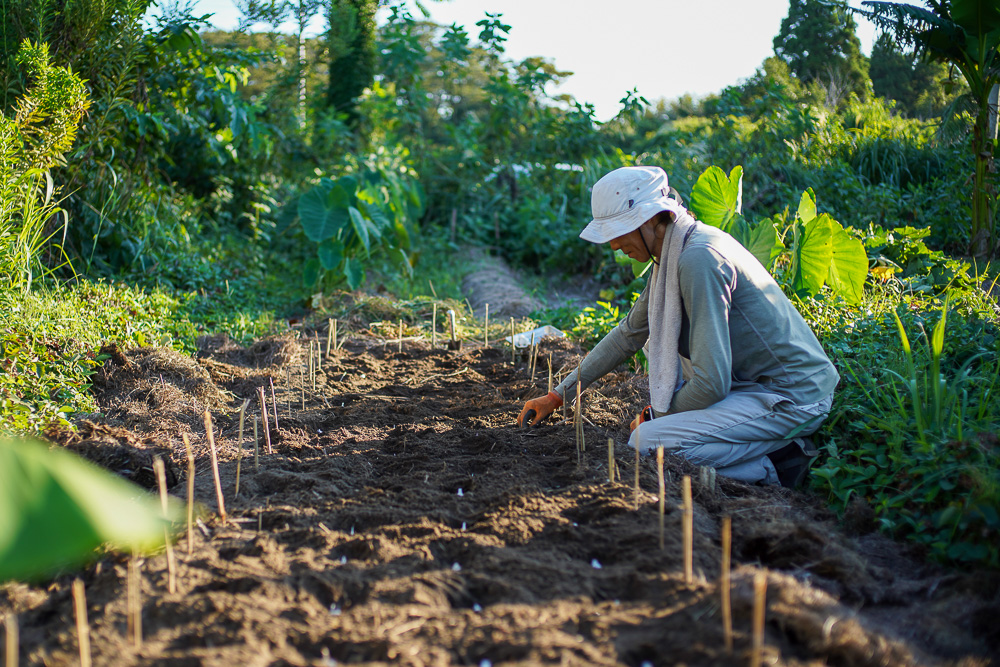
column 56, row 509
column 360, row 228
column 331, row 254
column 812, row 255
column 849, row 265
column 807, row 206
column 716, row 198
column 354, row 273
column 762, row 240
column 323, row 211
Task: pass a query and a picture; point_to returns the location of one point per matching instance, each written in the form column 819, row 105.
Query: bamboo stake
column 486, row 327
column 319, row 352
column 274, row 404
column 312, row 374
column 215, row 465
column 336, row 346
column 579, row 401
column 135, row 602
column 637, row 467
column 239, row 447
column 329, row 336
column 513, row 350
column 263, row 419
column 724, row 583
column 688, row 526
column 161, row 481
column 759, row 608
column 663, row 489
column 578, row 424
column 451, row 324
column 531, row 357
column 190, row 507
column 256, row 446
column 611, row 461
column 13, row 640
column 400, row 349
column 82, row 625
column 550, row 372
column 434, row 327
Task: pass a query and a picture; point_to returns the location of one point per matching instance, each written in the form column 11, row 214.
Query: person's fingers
column 524, row 413
column 531, row 417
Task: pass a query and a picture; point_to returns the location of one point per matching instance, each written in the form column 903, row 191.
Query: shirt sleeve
column 707, row 281
column 616, row 347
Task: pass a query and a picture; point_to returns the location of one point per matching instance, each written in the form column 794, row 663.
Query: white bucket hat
column 624, row 199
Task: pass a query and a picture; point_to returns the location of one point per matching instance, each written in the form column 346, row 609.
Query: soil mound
column 402, row 518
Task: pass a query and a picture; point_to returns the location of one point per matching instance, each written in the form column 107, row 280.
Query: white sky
column 665, row 48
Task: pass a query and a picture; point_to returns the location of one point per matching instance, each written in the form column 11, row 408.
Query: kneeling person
column 734, row 370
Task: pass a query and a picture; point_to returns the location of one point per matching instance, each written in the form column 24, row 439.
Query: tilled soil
column 403, row 518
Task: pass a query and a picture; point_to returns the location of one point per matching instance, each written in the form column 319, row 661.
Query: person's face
column 631, row 244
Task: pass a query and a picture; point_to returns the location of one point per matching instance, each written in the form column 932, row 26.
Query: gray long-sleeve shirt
column 739, row 332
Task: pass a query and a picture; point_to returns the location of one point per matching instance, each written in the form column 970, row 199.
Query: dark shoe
column 792, row 462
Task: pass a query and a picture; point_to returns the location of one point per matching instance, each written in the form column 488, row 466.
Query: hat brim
column 605, row 229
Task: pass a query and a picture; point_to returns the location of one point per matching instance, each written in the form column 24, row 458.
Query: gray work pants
column 734, row 435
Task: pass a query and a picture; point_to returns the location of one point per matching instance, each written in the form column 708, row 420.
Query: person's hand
column 645, row 415
column 538, row 409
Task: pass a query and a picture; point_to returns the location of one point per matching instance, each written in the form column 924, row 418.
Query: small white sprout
column 476, row 608
column 456, row 567
column 460, row 492
column 596, row 564
column 343, row 560
column 463, row 526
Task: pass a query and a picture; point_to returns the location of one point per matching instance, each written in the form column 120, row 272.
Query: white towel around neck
column 665, row 314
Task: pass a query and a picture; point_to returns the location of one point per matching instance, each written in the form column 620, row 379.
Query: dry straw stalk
column 161, row 481
column 724, row 583
column 13, row 640
column 513, row 350
column 611, row 461
column 134, row 603
column 190, row 490
column 274, row 405
column 263, row 419
column 215, row 466
column 434, row 326
column 239, row 447
column 759, row 609
column 82, row 624
column 688, row 525
column 486, row 327
column 663, row 490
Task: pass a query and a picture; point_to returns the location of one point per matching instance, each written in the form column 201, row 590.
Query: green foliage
column 56, row 509
column 41, row 131
column 914, row 84
column 912, row 432
column 356, row 216
column 818, row 40
column 352, row 53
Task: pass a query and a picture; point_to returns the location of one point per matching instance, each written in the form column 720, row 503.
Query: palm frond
column 906, row 22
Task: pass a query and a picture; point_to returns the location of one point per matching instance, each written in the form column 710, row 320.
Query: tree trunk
column 301, row 109
column 983, row 241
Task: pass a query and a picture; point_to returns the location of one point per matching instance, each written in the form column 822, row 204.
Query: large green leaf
column 360, row 227
column 848, row 266
column 56, row 508
column 323, row 211
column 331, row 254
column 716, row 198
column 807, row 206
column 354, row 273
column 812, row 254
column 978, row 17
column 761, row 240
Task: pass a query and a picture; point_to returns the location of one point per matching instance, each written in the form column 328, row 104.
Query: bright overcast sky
column 665, row 48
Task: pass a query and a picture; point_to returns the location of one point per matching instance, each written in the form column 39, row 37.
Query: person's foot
column 792, row 462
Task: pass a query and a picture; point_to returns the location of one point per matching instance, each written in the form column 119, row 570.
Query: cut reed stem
column 263, row 419
column 434, row 327
column 336, row 346
column 759, row 608
column 550, row 372
column 486, row 327
column 215, row 465
column 636, row 493
column 82, row 624
column 302, row 386
column 256, row 446
column 399, row 350
column 239, row 446
column 578, row 427
column 190, row 489
column 513, row 349
column 451, row 324
column 274, row 405
column 724, row 583
column 13, row 640
column 611, row 461
column 663, row 490
column 161, row 481
column 688, row 526
column 134, row 602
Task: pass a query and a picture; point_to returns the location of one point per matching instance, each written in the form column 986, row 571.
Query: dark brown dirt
column 404, row 519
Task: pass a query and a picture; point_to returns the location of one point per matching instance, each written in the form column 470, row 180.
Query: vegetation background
column 161, row 182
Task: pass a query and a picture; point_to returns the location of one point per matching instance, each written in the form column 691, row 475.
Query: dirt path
column 402, row 519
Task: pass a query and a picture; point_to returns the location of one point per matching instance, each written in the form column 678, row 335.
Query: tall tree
column 914, row 83
column 966, row 35
column 818, row 40
column 351, row 39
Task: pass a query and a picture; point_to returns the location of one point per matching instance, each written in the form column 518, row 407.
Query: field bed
column 404, row 519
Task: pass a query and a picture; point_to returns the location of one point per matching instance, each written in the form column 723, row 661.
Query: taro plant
column 56, row 509
column 354, row 217
column 816, row 249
